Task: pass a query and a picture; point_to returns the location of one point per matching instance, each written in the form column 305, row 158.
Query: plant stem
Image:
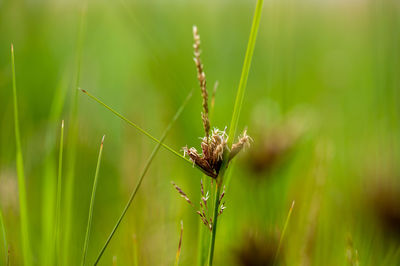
column 27, row 255
column 283, row 233
column 214, row 225
column 89, row 223
column 142, row 175
column 218, row 186
column 245, row 72
column 178, row 253
column 201, row 249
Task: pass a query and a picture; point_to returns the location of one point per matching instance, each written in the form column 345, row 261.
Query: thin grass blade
column 26, row 249
column 245, row 72
column 283, row 233
column 89, row 223
column 142, row 175
column 141, row 130
column 178, row 253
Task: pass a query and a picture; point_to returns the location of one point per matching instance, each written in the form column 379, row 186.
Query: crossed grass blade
column 89, row 223
column 142, row 175
column 283, row 233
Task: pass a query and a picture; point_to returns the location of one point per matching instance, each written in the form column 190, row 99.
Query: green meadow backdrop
column 322, row 106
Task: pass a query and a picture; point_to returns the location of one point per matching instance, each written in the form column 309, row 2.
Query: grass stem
column 89, row 223
column 217, row 193
column 142, row 175
column 283, row 233
column 178, row 253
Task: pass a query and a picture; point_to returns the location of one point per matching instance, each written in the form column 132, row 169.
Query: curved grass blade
column 283, row 233
column 142, row 175
column 3, row 230
column 245, row 72
column 89, row 224
column 58, row 195
column 144, row 132
column 27, row 255
column 178, row 253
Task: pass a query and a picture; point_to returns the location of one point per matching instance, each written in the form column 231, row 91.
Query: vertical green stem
column 89, row 224
column 21, row 176
column 214, row 225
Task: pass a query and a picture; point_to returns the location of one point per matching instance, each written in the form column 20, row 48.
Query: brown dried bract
column 213, row 150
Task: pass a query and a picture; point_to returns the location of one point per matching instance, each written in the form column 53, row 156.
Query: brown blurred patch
column 273, row 143
column 256, row 249
column 385, row 203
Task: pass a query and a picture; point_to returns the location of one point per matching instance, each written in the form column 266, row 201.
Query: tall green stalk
column 26, row 249
column 89, row 224
column 235, row 120
column 142, row 175
column 218, row 185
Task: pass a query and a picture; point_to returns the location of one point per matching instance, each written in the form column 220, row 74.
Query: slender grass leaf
column 89, row 223
column 142, row 175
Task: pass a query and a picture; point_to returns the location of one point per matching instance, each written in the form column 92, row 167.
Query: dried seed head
column 213, row 149
column 201, row 76
column 244, row 141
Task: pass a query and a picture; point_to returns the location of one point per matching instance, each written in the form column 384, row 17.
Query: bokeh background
column 322, row 106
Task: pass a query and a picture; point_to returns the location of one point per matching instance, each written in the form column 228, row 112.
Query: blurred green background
column 322, row 106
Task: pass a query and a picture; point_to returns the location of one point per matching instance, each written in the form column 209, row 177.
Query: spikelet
column 201, row 76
